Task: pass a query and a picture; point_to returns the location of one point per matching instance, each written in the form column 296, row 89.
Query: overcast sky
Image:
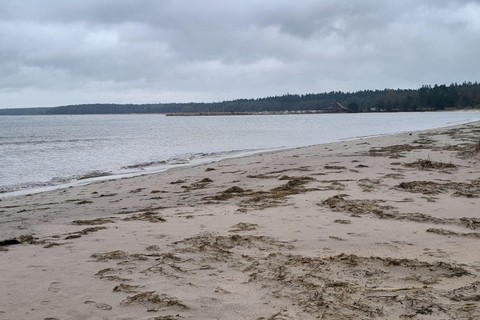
column 57, row 52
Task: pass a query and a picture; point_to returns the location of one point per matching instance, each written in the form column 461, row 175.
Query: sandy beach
column 374, row 228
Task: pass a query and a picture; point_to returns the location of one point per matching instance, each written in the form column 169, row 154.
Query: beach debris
column 153, row 301
column 227, row 194
column 28, row 239
column 146, row 209
column 332, row 185
column 393, row 152
column 150, row 216
column 243, row 226
column 470, row 150
column 122, row 287
column 335, row 287
column 117, row 255
column 83, row 232
column 234, row 189
column 331, row 167
column 425, row 187
column 471, row 223
column 424, row 140
column 293, row 186
column 469, row 292
column 96, row 221
column 359, row 207
column 368, row 185
column 264, row 199
column 428, row 164
column 361, row 166
column 462, row 189
column 345, row 286
column 158, row 191
column 394, row 176
column 400, row 289
column 53, row 244
column 261, row 176
column 166, row 317
column 103, row 195
column 454, row 233
column 199, row 184
column 277, row 316
column 9, row 242
column 109, row 274
column 178, row 181
column 85, row 201
column 342, row 221
column 216, row 244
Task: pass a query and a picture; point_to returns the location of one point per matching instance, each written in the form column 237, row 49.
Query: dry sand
column 377, row 228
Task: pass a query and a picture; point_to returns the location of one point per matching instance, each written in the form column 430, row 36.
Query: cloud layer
column 56, row 52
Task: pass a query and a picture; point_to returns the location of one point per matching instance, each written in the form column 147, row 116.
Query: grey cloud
column 162, row 51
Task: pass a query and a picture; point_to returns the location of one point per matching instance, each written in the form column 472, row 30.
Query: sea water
column 41, row 152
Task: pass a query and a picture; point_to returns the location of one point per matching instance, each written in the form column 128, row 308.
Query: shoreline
column 381, row 227
column 106, row 176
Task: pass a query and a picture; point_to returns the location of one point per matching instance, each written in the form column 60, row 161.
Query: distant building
column 336, row 107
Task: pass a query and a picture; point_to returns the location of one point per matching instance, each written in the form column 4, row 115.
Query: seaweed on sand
column 277, row 195
column 117, row 255
column 429, row 164
column 351, row 286
column 83, row 232
column 356, row 207
column 150, row 216
column 122, row 287
column 153, row 301
column 342, row 221
column 27, row 238
column 471, row 150
column 93, row 221
column 243, row 226
column 466, row 293
column 223, row 245
column 331, row 167
column 393, row 152
column 9, row 242
column 453, row 233
column 465, row 189
column 199, row 184
column 264, row 199
column 368, row 185
column 359, row 207
column 425, row 187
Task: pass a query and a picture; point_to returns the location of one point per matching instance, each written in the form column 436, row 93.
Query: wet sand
column 376, row 228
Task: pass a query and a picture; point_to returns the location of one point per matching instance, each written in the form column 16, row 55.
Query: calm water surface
column 45, row 151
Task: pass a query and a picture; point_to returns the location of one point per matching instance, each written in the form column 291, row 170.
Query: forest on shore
column 426, row 98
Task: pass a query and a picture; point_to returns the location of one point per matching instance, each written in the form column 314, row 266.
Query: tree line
column 426, row 98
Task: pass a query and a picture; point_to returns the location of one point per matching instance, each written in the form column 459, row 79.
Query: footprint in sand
column 55, row 287
column 101, row 306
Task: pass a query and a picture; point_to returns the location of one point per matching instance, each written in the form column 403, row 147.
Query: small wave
column 145, row 164
column 188, row 158
column 56, row 181
column 41, row 142
column 93, row 174
column 24, row 186
column 134, row 169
